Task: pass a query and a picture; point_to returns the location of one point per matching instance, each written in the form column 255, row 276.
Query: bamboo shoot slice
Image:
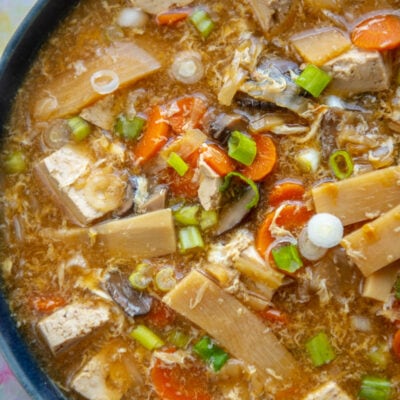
column 68, row 93
column 319, row 46
column 147, row 235
column 236, row 328
column 376, row 244
column 360, row 198
column 379, row 285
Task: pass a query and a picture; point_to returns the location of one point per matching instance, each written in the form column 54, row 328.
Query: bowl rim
column 15, row 62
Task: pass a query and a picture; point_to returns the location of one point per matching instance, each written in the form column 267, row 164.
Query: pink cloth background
column 11, row 14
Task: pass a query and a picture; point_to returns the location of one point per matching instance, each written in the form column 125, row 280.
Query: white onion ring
column 104, row 81
column 308, row 249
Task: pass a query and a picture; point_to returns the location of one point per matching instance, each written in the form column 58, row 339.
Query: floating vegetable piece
column 242, row 148
column 173, row 381
column 187, row 67
column 286, row 191
column 187, row 215
column 208, row 219
column 320, row 349
column 154, row 137
column 264, row 161
column 380, row 32
column 341, row 164
column 132, row 301
column 202, row 22
column 165, row 279
column 177, row 163
column 308, row 160
column 375, row 388
column 80, row 129
column 171, row 17
column 211, row 353
column 15, row 163
column 313, row 80
column 253, row 187
column 147, row 338
column 105, row 81
column 287, row 258
column 190, row 238
column 132, row 18
column 218, row 159
column 129, row 129
column 325, row 230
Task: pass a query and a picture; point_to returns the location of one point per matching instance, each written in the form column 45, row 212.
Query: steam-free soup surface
column 200, row 201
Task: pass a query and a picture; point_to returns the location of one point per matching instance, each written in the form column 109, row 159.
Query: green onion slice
column 208, row 219
column 242, row 148
column 165, row 279
column 177, row 163
column 202, row 21
column 314, row 80
column 253, row 186
column 207, row 350
column 375, row 388
column 15, row 163
column 80, row 128
column 187, row 215
column 190, row 238
column 146, row 337
column 320, row 350
column 287, row 258
column 129, row 129
column 341, row 164
column 178, row 338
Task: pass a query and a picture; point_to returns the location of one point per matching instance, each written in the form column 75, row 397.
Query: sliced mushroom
column 234, row 213
column 132, row 301
column 224, row 124
column 157, row 199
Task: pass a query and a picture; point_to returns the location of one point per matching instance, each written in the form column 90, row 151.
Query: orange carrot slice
column 218, row 159
column 154, row 137
column 265, row 159
column 291, row 217
column 189, row 114
column 286, row 191
column 381, row 32
column 171, row 17
column 176, row 382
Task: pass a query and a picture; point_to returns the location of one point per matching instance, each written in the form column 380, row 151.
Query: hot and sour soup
column 200, row 201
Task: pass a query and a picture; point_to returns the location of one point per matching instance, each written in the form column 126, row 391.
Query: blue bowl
column 14, row 64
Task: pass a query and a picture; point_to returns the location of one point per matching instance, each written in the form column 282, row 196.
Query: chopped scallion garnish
column 208, row 219
column 202, row 22
column 320, row 349
column 313, row 80
column 80, row 128
column 287, row 258
column 190, row 238
column 146, row 337
column 178, row 338
column 375, row 388
column 15, row 163
column 242, row 148
column 211, row 353
column 129, row 129
column 165, row 279
column 187, row 215
column 252, row 184
column 341, row 164
column 177, row 163
column 141, row 277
